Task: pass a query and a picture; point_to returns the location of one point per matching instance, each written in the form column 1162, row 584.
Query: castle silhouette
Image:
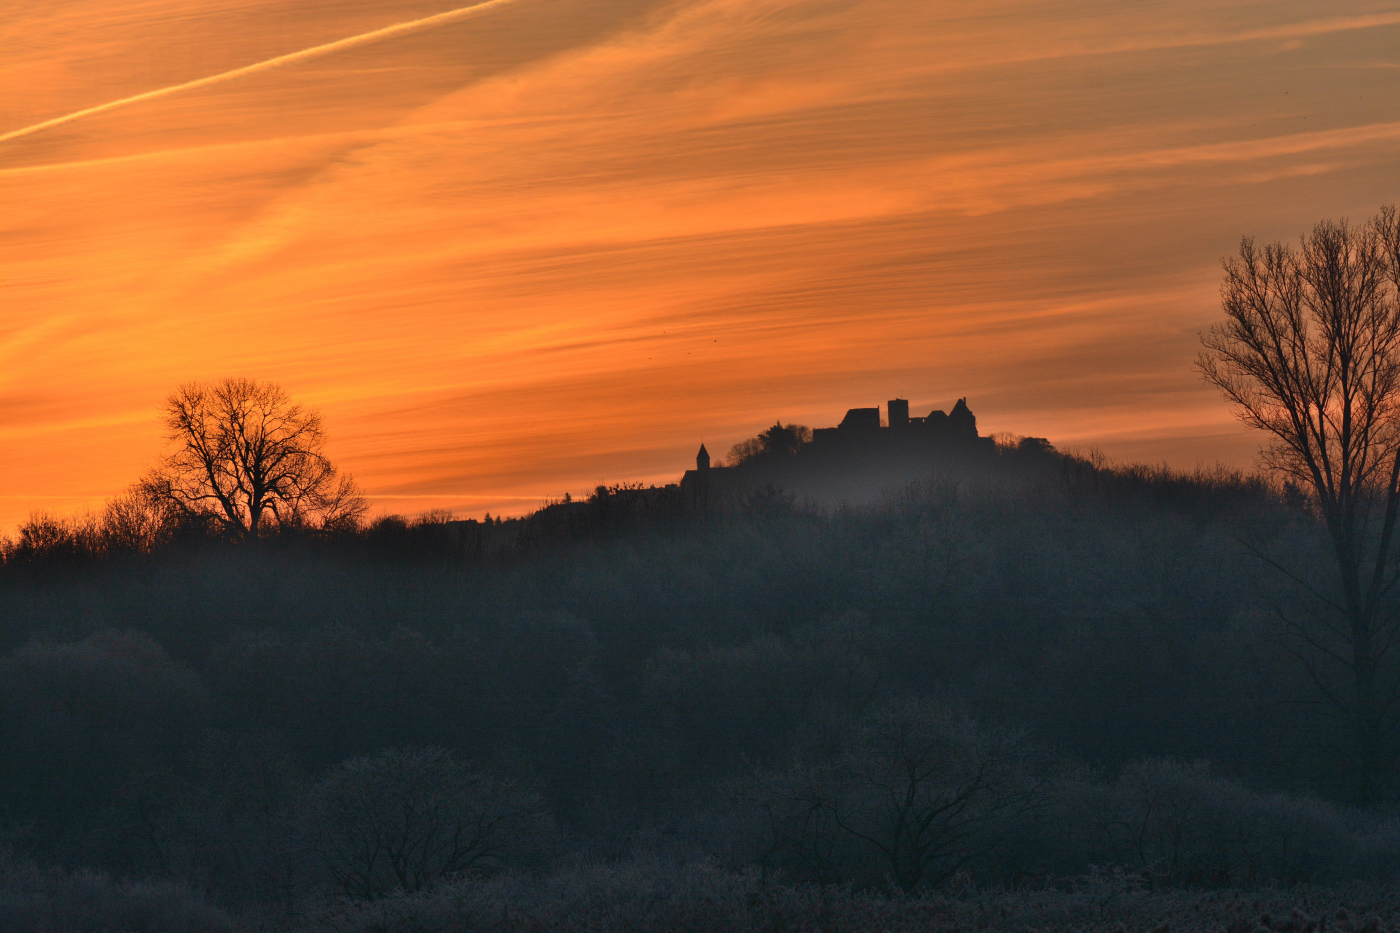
column 856, row 455
column 854, row 462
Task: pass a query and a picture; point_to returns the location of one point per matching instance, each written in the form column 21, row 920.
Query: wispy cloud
column 281, row 61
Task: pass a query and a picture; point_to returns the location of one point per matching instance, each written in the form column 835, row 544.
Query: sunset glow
column 529, row 248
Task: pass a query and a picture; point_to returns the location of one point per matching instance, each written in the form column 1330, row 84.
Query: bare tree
column 1310, row 353
column 134, row 523
column 247, row 455
column 406, row 818
column 912, row 793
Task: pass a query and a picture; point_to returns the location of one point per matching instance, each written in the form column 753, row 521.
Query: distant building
column 860, row 419
column 859, row 449
column 707, row 488
column 859, row 423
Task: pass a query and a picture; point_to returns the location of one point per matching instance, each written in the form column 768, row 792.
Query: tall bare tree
column 1310, row 353
column 248, row 456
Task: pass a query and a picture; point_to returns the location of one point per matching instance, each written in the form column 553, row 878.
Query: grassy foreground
column 655, row 895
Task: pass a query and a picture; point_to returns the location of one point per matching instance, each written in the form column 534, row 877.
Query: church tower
column 702, row 459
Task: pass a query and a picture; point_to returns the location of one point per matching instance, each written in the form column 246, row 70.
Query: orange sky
column 554, row 243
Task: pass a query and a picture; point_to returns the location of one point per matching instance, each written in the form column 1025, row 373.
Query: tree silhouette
column 406, row 818
column 912, row 794
column 774, row 443
column 245, row 454
column 1310, row 353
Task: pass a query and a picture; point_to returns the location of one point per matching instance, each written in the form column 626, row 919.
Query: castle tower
column 702, row 459
column 899, row 412
column 961, row 419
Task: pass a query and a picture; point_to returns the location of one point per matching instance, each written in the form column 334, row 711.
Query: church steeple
column 702, row 459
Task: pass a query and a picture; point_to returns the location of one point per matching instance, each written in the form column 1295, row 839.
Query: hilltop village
column 854, row 462
column 849, row 462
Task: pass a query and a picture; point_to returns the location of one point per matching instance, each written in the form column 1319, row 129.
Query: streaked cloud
column 281, row 61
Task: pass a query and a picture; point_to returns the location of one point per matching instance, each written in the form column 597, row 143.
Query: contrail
column 315, row 51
